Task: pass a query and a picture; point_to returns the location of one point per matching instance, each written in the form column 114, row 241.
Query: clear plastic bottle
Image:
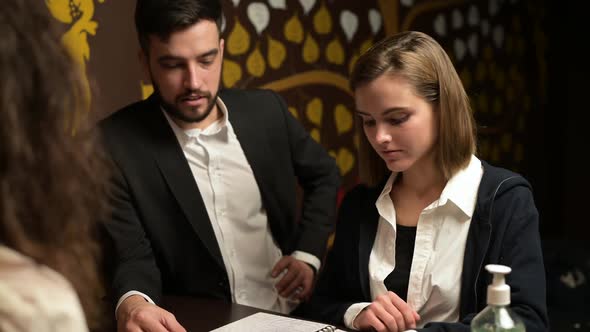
column 497, row 316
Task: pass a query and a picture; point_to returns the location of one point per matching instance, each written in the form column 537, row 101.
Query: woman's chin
column 397, row 165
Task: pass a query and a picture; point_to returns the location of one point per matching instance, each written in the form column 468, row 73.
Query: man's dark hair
column 163, row 17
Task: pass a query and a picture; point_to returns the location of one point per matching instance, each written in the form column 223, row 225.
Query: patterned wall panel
column 304, row 49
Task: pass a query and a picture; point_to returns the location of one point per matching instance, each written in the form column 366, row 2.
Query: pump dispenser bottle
column 497, row 316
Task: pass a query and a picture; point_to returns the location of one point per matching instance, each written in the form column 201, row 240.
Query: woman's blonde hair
column 420, row 60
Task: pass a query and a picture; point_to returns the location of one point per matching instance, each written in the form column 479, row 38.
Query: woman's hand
column 387, row 313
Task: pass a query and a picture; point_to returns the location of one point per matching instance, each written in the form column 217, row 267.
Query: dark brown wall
column 512, row 73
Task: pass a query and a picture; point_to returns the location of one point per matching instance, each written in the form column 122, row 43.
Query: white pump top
column 498, row 291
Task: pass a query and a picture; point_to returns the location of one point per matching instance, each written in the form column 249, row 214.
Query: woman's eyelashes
column 395, row 121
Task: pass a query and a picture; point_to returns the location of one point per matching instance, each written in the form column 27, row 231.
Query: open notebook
column 264, row 322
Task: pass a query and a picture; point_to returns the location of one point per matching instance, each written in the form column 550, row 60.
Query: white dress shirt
column 435, row 276
column 234, row 205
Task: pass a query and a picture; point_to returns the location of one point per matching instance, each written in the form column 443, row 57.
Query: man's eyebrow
column 170, row 57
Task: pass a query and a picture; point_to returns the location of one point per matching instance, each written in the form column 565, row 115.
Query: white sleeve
column 308, row 258
column 128, row 294
column 352, row 312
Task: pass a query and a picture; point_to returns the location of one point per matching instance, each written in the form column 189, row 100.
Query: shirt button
column 242, row 295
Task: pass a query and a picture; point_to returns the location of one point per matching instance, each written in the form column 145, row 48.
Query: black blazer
column 504, row 230
column 162, row 236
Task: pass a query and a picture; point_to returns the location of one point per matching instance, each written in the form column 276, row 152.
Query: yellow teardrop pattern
column 146, row 89
column 333, row 154
column 294, row 112
column 232, row 73
column 322, row 21
column 276, row 53
column 255, row 63
column 343, row 118
column 315, row 134
column 345, row 161
column 366, row 45
column 314, row 111
column 335, row 52
column 238, row 41
column 311, row 50
column 294, row 30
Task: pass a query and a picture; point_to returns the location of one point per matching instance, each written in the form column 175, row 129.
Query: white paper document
column 264, row 322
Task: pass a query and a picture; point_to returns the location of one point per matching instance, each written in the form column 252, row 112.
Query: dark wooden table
column 200, row 315
column 197, row 314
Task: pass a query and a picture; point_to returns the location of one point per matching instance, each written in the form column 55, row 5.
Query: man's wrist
column 130, row 302
column 308, row 258
column 131, row 293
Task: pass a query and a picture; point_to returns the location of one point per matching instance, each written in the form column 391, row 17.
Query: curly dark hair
column 52, row 183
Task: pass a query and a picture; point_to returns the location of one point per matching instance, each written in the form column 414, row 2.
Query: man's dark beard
column 174, row 112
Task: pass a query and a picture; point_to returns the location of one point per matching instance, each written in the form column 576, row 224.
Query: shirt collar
column 460, row 190
column 217, row 127
column 388, row 185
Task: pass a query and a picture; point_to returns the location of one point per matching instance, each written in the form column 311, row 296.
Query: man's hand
column 135, row 314
column 297, row 282
column 387, row 313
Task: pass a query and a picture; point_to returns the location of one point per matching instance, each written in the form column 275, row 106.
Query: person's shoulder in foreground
column 29, row 291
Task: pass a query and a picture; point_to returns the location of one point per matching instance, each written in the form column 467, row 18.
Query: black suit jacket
column 163, row 239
